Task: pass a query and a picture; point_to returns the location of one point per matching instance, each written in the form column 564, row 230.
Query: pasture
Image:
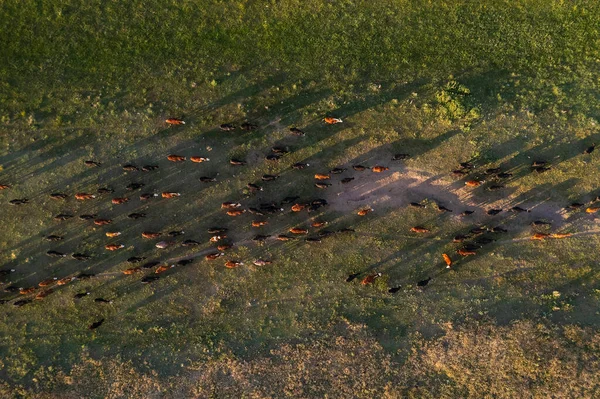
column 499, row 85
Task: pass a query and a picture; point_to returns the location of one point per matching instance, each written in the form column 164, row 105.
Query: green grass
column 499, row 83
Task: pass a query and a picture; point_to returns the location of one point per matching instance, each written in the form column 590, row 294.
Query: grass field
column 496, row 83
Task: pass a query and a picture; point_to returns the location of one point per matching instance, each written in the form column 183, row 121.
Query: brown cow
column 114, row 247
column 419, row 229
column 84, row 196
column 199, row 159
column 379, row 169
column 176, row 158
column 120, row 200
column 170, row 194
column 298, row 230
column 174, row 121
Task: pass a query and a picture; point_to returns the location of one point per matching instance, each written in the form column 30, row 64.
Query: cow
column 54, row 237
column 84, row 196
column 92, row 163
column 253, row 187
column 379, row 169
column 322, row 185
column 227, row 127
column 364, row 212
column 370, row 278
column 63, row 216
column 214, row 255
column 248, row 126
column 419, row 229
column 337, row 171
column 164, row 244
column 47, row 282
column 360, row 168
column 298, row 230
column 174, row 121
column 296, row 132
column 132, row 270
column 19, row 201
column 105, row 190
column 465, row 252
column 55, row 254
column 230, row 205
column 43, row 294
column 331, row 120
column 102, row 222
column 237, row 162
column 300, row 165
column 198, row 159
column 318, row 224
column 147, row 196
column 262, row 262
column 447, row 260
column 259, row 223
column 218, row 237
column 130, row 168
column 540, row 236
column 170, row 194
column 235, row 212
column 590, row 149
column 58, row 196
column 346, row 180
column 176, row 158
column 120, row 200
column 473, row 183
column 269, row 177
column 149, row 168
column 113, row 247
column 95, row 324
column 134, row 186
column 163, row 268
column 232, row 264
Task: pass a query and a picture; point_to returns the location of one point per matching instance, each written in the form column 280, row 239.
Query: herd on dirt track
column 469, row 243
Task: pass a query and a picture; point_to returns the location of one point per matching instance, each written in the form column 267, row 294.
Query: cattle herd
column 468, row 243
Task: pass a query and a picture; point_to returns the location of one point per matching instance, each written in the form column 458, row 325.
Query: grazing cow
column 492, row 171
column 364, row 212
column 88, row 216
column 174, row 121
column 164, row 244
column 318, row 224
column 26, row 291
column 262, row 262
column 269, row 177
column 419, row 229
column 423, row 283
column 322, row 185
column 81, row 295
column 43, row 294
column 19, row 201
column 102, row 222
column 149, row 279
column 96, row 324
column 112, row 234
column 214, row 255
column 197, row 159
column 236, row 212
column 504, row 175
column 80, row 256
column 136, row 215
column 130, row 168
column 300, row 165
column 496, row 187
column 147, row 196
column 150, row 265
column 590, row 149
column 337, row 171
column 84, row 196
column 347, row 180
column 232, row 264
column 135, row 259
column 560, row 235
column 120, row 200
column 205, row 179
column 459, row 173
column 190, row 243
column 163, row 268
column 498, row 229
column 149, row 168
column 58, row 196
column 114, row 247
column 447, row 260
column 260, row 238
column 253, row 187
column 298, row 230
column 92, row 163
column 230, row 205
column 63, row 216
column 493, row 212
column 280, row 150
column 134, row 186
column 379, row 169
column 217, row 230
column 331, row 120
column 259, row 223
column 400, row 157
column 132, row 270
column 64, row 281
column 237, row 162
column 473, row 183
column 224, row 247
column 170, row 194
column 176, row 158
column 592, row 209
column 227, row 127
column 540, row 236
column 283, row 237
column 360, row 168
column 105, row 190
column 55, row 254
column 54, row 238
column 248, row 126
column 465, row 252
column 518, row 209
column 370, row 279
column 273, row 157
column 218, row 237
column 296, row 132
